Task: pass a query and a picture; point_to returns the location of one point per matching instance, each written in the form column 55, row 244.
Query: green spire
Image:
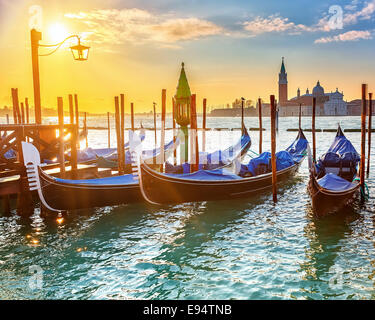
column 282, row 67
column 183, row 89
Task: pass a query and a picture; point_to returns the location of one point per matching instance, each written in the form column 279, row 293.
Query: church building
column 327, row 104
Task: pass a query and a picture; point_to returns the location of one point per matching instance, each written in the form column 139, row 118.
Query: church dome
column 318, row 90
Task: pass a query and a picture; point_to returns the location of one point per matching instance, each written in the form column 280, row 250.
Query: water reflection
column 325, row 237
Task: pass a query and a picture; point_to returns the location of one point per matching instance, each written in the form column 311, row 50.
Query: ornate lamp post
column 79, row 52
column 182, row 112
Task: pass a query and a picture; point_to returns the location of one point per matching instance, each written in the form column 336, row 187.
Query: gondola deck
column 326, row 200
column 159, row 188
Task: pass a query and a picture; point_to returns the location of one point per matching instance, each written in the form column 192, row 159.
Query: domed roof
column 318, row 90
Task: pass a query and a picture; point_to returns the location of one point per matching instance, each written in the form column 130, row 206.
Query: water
column 242, row 249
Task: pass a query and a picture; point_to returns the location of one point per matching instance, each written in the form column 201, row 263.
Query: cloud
column 364, row 14
column 274, row 23
column 140, row 26
column 347, row 36
column 352, row 6
column 185, row 29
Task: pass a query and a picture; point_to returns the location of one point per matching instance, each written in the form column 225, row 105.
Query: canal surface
column 242, row 249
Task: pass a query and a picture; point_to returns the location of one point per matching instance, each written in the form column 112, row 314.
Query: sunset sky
column 230, row 49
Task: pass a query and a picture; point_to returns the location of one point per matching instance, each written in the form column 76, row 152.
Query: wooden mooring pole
column 174, row 131
column 122, row 127
column 73, row 153
column 109, row 129
column 27, row 110
column 118, row 135
column 242, row 114
column 194, row 149
column 162, row 133
column 132, row 116
column 86, row 130
column 313, row 129
column 204, row 125
column 273, row 148
column 77, row 116
column 260, row 125
column 299, row 116
column 16, row 118
column 369, row 133
column 155, row 123
column 60, row 112
column 363, row 140
column 71, row 109
column 22, row 113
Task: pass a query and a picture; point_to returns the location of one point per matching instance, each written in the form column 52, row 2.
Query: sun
column 57, row 32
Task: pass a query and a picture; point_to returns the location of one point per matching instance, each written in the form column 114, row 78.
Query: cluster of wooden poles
column 75, row 142
column 21, row 116
column 21, row 111
column 194, row 157
column 120, row 129
column 363, row 136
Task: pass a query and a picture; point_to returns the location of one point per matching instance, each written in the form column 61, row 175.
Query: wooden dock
column 13, row 179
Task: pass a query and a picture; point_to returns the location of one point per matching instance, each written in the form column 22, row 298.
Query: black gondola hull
column 325, row 201
column 161, row 189
column 63, row 196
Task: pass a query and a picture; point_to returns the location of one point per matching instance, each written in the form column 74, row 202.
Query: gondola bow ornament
column 31, row 159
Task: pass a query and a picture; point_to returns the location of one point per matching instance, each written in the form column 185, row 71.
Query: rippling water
column 242, row 249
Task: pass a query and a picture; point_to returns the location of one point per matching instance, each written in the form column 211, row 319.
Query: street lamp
column 80, row 53
column 242, row 114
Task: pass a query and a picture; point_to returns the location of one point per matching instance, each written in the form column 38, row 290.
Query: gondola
column 151, row 156
column 333, row 183
column 63, row 194
column 216, row 159
column 204, row 185
column 91, row 155
column 207, row 160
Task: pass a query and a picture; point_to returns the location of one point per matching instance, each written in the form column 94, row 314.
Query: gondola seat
column 215, row 175
column 340, row 165
column 335, row 183
column 262, row 164
column 107, row 181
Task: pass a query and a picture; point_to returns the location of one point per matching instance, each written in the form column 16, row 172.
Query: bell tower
column 283, row 84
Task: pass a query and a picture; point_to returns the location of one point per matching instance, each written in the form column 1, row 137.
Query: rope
column 366, row 194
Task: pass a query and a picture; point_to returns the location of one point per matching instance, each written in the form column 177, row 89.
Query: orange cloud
column 139, row 26
column 347, row 36
column 274, row 23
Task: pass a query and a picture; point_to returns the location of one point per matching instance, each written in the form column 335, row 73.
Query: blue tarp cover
column 340, row 153
column 298, row 149
column 10, row 154
column 211, row 161
column 330, row 159
column 254, row 163
column 341, row 145
column 117, row 180
column 214, row 175
column 284, row 159
column 333, row 182
column 91, row 154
